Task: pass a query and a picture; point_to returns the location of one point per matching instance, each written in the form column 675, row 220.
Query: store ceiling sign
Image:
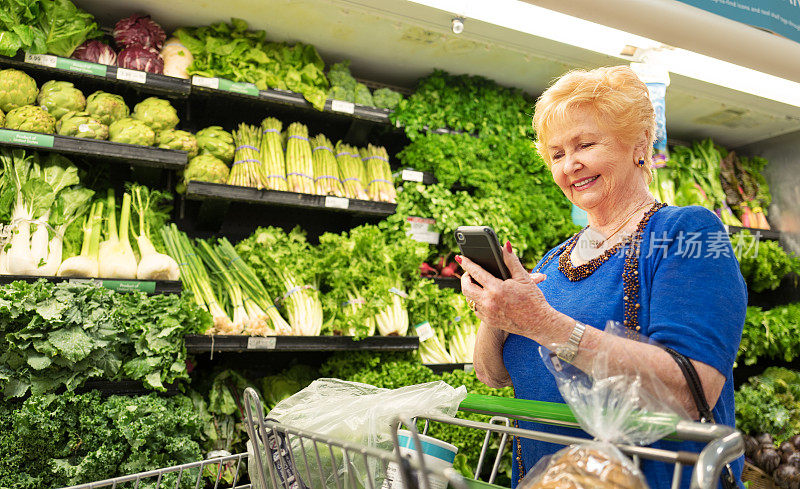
column 779, row 16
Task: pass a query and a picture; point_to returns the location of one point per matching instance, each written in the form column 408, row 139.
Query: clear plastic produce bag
column 615, row 407
column 355, row 413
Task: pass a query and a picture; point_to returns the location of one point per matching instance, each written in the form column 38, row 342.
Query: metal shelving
column 230, row 343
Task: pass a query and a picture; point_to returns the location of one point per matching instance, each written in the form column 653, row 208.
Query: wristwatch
column 569, row 350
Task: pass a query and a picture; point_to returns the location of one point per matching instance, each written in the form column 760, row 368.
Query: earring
column 640, row 162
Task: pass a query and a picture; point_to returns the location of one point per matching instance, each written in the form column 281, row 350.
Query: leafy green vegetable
column 63, row 440
column 61, row 335
column 386, row 98
column 19, row 29
column 65, row 26
column 233, row 52
column 765, row 263
column 363, row 265
column 471, row 104
column 771, row 334
column 770, row 403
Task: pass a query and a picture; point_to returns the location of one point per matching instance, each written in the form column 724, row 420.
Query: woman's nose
column 571, row 164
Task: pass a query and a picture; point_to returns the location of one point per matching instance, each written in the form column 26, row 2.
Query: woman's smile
column 585, row 183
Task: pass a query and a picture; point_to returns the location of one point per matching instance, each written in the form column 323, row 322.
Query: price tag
column 420, row 230
column 237, row 87
column 468, row 367
column 412, row 176
column 342, row 106
column 261, row 343
column 424, row 331
column 337, row 202
column 135, row 76
column 26, row 138
column 41, row 60
column 202, row 81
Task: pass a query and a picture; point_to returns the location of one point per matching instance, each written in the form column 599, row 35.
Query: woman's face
column 593, row 167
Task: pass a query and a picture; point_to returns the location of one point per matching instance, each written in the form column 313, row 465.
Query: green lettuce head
column 205, row 168
column 31, row 118
column 216, row 141
column 157, row 113
column 16, row 89
column 131, row 131
column 107, row 107
column 60, row 97
column 177, row 139
column 81, row 125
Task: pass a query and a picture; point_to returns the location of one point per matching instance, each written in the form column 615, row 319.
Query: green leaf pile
column 770, row 334
column 765, row 264
column 62, row 335
column 770, row 403
column 233, row 52
column 64, row 440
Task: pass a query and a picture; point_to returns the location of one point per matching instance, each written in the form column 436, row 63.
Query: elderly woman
column 683, row 288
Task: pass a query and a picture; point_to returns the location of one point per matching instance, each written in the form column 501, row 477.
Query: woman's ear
column 640, row 149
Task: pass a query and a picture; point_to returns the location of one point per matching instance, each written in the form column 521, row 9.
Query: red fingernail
column 458, row 259
column 508, row 246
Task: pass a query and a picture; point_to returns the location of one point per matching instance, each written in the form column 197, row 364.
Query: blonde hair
column 619, row 98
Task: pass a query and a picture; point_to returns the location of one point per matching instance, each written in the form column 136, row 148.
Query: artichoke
column 157, row 113
column 107, row 107
column 81, row 125
column 216, row 141
column 16, row 89
column 205, row 168
column 31, row 118
column 131, row 131
column 60, row 97
column 176, row 139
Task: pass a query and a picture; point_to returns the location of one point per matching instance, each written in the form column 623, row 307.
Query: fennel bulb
column 86, row 264
column 116, row 258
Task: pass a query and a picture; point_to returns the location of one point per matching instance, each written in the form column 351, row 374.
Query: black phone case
column 480, row 244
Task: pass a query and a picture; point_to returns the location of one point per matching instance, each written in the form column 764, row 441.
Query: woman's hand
column 515, row 305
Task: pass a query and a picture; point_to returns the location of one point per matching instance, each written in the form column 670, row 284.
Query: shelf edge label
column 420, row 230
column 424, row 331
column 237, row 87
column 202, row 81
column 135, row 76
column 261, row 343
column 130, row 285
column 27, row 138
column 80, row 66
column 41, row 59
column 412, row 176
column 337, row 202
column 342, row 106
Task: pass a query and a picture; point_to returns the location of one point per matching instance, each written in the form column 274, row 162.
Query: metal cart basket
column 323, row 462
column 279, row 466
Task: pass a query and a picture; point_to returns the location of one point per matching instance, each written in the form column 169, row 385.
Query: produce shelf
column 220, row 86
column 132, row 154
column 148, row 286
column 448, row 282
column 439, row 368
column 73, row 69
column 216, row 191
column 764, row 233
column 125, row 388
column 229, row 343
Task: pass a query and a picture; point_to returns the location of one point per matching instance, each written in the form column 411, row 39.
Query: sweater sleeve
column 698, row 298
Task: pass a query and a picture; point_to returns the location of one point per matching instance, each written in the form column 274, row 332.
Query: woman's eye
column 586, row 145
column 557, row 156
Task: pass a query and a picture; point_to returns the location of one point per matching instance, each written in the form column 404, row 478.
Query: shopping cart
column 293, row 458
column 322, row 462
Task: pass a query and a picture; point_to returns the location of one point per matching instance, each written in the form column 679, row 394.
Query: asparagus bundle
column 351, row 171
column 272, row 158
column 326, row 171
column 380, row 186
column 246, row 168
column 299, row 163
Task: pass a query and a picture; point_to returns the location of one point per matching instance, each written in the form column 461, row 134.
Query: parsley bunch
column 771, row 334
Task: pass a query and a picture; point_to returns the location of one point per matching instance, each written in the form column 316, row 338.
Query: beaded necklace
column 630, row 285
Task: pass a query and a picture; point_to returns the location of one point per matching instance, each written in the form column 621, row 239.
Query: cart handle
column 553, row 413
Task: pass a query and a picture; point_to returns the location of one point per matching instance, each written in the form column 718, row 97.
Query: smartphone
column 480, row 244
